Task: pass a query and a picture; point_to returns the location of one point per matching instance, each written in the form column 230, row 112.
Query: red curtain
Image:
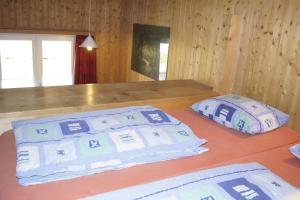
column 85, row 63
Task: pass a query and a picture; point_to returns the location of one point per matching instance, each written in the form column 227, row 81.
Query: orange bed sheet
column 225, row 146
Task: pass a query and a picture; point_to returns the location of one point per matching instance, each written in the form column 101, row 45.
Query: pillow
column 241, row 113
column 295, row 150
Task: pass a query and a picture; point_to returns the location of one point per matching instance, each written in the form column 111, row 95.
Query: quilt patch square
column 156, row 136
column 156, row 116
column 132, row 118
column 242, row 189
column 196, row 192
column 28, row 158
column 127, row 140
column 180, row 134
column 74, row 127
column 41, row 132
column 94, row 145
column 101, row 123
column 60, row 152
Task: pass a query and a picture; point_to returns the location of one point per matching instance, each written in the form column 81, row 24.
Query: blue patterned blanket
column 64, row 147
column 250, row 181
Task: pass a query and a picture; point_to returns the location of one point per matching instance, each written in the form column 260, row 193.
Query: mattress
column 226, row 146
column 237, row 181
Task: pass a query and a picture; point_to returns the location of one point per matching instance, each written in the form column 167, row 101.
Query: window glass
column 163, row 61
column 16, row 63
column 57, row 65
column 28, row 60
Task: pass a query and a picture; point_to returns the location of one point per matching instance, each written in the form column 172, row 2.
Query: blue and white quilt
column 64, row 147
column 250, row 181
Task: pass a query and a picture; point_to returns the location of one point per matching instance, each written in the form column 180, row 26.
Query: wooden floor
column 24, row 103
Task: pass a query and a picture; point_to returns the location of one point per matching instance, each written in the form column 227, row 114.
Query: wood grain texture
column 266, row 66
column 229, row 70
column 24, row 103
column 268, row 61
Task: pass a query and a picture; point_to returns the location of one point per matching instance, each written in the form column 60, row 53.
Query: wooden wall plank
column 229, row 69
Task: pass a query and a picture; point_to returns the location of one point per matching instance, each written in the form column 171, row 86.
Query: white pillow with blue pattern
column 241, row 113
column 295, row 150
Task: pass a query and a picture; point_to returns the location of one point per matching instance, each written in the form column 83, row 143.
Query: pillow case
column 241, row 113
column 295, row 150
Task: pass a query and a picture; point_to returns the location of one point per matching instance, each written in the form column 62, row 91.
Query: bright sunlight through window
column 57, row 65
column 16, row 63
column 28, row 60
column 163, row 63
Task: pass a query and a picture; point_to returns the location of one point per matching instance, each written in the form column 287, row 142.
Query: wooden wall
column 269, row 61
column 63, row 15
column 250, row 47
column 199, row 31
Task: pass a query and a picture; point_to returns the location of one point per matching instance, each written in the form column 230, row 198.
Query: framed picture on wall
column 150, row 50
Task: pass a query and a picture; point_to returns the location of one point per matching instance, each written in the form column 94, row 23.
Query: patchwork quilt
column 250, row 181
column 64, row 147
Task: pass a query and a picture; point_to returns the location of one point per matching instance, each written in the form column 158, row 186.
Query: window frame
column 37, row 52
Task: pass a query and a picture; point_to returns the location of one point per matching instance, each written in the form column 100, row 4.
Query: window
column 16, row 63
column 57, row 63
column 35, row 60
column 163, row 61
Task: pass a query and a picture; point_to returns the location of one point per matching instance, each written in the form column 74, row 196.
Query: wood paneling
column 44, row 14
column 269, row 63
column 258, row 57
column 229, row 70
column 266, row 61
column 199, row 30
column 108, row 39
column 145, row 12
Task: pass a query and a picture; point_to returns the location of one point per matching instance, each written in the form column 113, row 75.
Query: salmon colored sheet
column 225, row 146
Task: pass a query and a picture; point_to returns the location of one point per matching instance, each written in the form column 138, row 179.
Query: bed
column 225, row 146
